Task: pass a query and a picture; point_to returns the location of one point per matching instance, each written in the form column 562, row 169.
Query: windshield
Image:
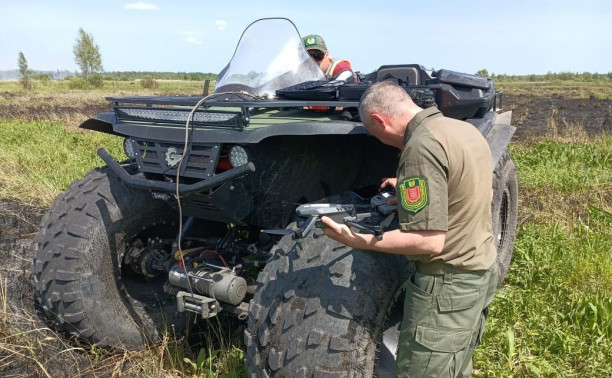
column 269, row 56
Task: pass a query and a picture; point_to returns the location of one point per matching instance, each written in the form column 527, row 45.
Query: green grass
column 38, row 160
column 565, row 167
column 553, row 317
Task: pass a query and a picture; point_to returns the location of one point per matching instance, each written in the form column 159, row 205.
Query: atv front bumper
column 171, row 187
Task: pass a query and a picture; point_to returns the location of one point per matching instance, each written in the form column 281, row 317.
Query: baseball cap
column 314, row 41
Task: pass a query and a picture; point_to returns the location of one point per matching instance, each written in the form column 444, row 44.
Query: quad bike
column 188, row 224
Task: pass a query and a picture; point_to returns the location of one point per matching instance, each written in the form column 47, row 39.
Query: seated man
column 334, row 69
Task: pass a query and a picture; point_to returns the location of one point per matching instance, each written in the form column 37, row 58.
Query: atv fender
column 499, row 136
column 102, row 123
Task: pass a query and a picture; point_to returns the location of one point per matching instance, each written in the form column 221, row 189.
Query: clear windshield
column 270, row 56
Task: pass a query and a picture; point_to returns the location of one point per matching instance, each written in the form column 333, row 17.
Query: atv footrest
column 205, row 306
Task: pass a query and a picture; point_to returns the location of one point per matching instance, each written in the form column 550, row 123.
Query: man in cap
column 334, row 69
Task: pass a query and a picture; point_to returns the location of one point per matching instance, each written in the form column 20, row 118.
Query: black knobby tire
column 504, row 209
column 321, row 310
column 79, row 282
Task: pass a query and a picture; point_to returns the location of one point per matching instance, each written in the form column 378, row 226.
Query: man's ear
column 379, row 119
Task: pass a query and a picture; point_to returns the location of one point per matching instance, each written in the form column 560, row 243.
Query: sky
column 516, row 37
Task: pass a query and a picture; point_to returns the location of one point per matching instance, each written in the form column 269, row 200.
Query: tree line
column 550, row 76
column 89, row 60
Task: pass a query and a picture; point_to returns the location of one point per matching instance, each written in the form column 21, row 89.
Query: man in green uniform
column 443, row 188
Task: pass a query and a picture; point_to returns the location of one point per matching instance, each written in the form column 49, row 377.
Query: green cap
column 314, row 42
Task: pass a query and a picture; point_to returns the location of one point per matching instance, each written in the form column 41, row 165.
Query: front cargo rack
column 231, row 111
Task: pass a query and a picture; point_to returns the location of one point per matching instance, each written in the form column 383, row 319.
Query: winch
column 223, row 284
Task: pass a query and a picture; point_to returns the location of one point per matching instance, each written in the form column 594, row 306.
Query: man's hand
column 343, row 234
column 395, row 241
column 390, row 181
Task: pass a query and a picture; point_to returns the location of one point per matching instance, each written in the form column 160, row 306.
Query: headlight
column 128, row 148
column 238, row 156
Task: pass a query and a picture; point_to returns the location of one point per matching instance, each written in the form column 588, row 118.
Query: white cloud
column 193, row 40
column 141, row 6
column 221, row 24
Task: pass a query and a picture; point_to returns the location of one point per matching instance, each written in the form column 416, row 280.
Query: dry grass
column 30, row 349
column 72, row 108
column 565, row 89
column 57, row 102
column 558, row 129
column 17, row 186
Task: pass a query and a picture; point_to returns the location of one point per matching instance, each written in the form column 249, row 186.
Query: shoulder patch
column 413, row 194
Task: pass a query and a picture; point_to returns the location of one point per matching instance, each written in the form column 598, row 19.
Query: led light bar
column 207, row 118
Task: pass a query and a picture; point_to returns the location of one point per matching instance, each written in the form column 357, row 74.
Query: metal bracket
column 205, row 306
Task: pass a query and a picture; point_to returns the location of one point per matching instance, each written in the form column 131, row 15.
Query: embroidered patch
column 413, row 194
column 310, row 41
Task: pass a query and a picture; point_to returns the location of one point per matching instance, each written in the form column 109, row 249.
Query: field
column 552, row 317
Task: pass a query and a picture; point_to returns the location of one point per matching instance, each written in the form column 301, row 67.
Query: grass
column 164, row 87
column 40, row 159
column 29, row 349
column 552, row 317
column 567, row 89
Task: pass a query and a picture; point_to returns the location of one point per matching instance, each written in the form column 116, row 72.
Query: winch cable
column 178, row 172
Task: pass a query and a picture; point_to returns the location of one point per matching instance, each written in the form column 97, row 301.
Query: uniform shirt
column 444, row 183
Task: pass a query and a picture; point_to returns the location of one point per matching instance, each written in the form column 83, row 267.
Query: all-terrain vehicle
column 191, row 224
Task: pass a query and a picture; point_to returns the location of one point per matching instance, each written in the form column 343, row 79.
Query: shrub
column 43, row 79
column 149, row 83
column 26, row 83
column 96, row 80
column 78, row 83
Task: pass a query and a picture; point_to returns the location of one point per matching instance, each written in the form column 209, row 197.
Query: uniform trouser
column 444, row 319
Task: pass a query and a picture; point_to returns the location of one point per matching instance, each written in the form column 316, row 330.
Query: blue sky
column 510, row 37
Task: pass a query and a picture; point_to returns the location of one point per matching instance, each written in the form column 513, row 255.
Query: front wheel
column 81, row 280
column 322, row 309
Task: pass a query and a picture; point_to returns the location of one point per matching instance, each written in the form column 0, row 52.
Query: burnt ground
column 533, row 114
column 18, row 224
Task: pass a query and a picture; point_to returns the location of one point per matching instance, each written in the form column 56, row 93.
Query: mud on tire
column 320, row 310
column 78, row 277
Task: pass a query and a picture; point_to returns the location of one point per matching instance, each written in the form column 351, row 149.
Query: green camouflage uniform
column 444, row 183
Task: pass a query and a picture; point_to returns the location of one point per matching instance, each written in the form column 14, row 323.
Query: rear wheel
column 504, row 212
column 322, row 310
column 82, row 280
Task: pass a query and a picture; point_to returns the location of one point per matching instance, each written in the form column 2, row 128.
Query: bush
column 26, row 83
column 77, row 83
column 149, row 83
column 96, row 80
column 80, row 82
column 43, row 79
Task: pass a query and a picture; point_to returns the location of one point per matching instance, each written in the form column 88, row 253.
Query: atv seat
column 411, row 74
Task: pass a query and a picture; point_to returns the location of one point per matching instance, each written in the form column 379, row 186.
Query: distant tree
column 483, row 72
column 24, row 72
column 87, row 55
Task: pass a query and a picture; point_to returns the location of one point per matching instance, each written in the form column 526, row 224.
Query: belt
column 438, row 268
